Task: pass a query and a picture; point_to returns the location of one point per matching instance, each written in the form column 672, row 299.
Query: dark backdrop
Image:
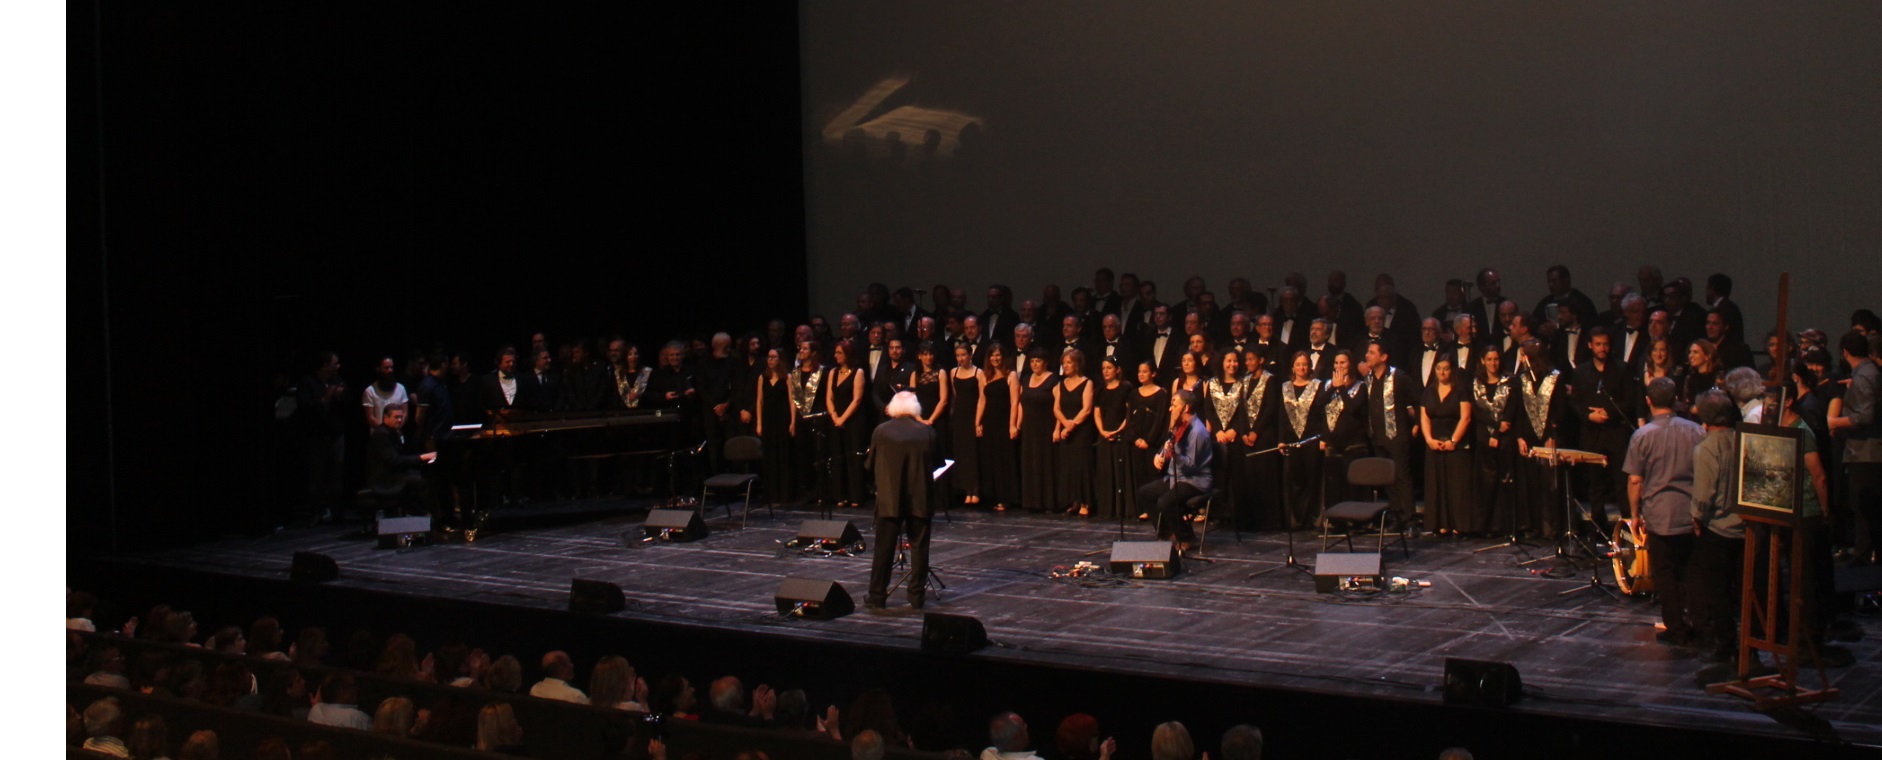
column 1425, row 139
column 251, row 185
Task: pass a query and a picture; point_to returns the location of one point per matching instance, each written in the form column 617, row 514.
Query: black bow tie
column 1430, row 347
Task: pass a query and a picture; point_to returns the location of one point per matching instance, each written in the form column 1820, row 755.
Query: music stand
column 1286, row 496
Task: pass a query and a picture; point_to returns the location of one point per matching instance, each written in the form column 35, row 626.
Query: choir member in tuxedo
column 1075, row 437
column 775, row 419
column 1465, row 348
column 1719, row 299
column 1629, row 336
column 713, row 379
column 671, row 386
column 931, row 387
column 1291, row 317
column 1163, row 347
column 1113, row 344
column 1617, row 295
column 1193, row 289
column 1495, row 447
column 1376, row 332
column 994, row 425
column 1038, row 425
column 1607, row 405
column 540, row 390
column 1431, row 348
column 1702, row 374
column 582, row 378
column 1347, row 438
column 497, row 391
column 1401, row 315
column 1392, row 422
column 1303, row 415
column 1453, row 305
column 1444, row 424
column 1321, row 348
column 907, row 311
column 928, row 331
column 1263, row 399
column 999, row 318
column 1139, row 320
column 953, row 333
column 1072, row 336
column 1225, row 413
column 1084, row 306
column 975, row 341
column 820, row 332
column 1149, row 427
column 1562, row 292
column 1339, row 307
column 1733, row 353
column 965, row 386
column 1104, row 296
column 811, row 445
column 1029, row 313
column 1114, row 485
column 1521, row 330
column 891, row 377
column 943, row 298
column 902, row 453
column 1507, row 315
column 1689, row 321
column 1241, row 333
column 1051, row 309
column 1538, row 403
column 1652, row 284
column 843, row 395
column 1268, row 341
column 850, row 327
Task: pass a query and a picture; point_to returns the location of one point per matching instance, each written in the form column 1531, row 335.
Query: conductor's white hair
column 904, row 404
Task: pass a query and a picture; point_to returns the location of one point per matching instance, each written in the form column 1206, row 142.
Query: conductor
column 902, row 455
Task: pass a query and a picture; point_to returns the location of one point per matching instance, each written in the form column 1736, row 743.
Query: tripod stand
column 901, row 561
column 1287, row 497
column 826, row 464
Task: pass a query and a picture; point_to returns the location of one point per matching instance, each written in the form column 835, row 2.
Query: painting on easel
column 1770, row 470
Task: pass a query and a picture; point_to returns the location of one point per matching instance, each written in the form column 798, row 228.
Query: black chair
column 1199, row 504
column 741, row 451
column 1373, row 473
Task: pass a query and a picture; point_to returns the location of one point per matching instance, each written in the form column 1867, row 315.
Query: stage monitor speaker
column 1481, row 683
column 588, row 597
column 1150, row 560
column 828, row 535
column 813, row 599
column 674, row 525
column 951, row 634
column 312, row 567
column 1334, row 572
column 400, row 532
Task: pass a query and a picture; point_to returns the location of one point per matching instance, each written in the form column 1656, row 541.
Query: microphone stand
column 827, row 465
column 1285, row 450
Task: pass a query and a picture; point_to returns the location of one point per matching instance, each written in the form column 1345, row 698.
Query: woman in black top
column 1345, row 440
column 1702, row 373
column 964, row 386
column 1116, row 485
column 1075, row 436
column 1303, row 415
column 999, row 457
column 1496, row 447
column 843, row 394
column 1445, row 425
column 1038, row 423
column 931, row 389
column 776, row 424
column 1149, row 427
column 1225, row 413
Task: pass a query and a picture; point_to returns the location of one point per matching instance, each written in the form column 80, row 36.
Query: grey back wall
column 1027, row 143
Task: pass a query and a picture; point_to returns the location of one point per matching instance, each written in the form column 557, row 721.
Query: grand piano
column 513, row 439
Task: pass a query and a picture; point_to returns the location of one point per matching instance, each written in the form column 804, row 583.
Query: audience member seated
column 264, row 640
column 1009, row 737
column 149, row 739
column 102, row 721
column 674, row 698
column 1078, row 738
column 108, row 669
column 1171, row 742
column 202, row 745
column 727, row 704
column 497, row 730
column 504, row 676
column 1242, row 742
column 557, row 671
column 867, row 746
column 613, row 683
column 337, row 704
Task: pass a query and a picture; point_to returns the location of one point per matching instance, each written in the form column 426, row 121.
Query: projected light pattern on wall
column 892, row 135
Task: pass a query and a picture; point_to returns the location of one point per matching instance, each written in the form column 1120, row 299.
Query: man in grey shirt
column 1659, row 491
column 1718, row 560
column 1862, row 454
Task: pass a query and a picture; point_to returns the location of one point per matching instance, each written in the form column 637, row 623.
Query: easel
column 1757, row 618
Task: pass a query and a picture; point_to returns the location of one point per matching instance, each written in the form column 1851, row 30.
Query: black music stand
column 1286, row 494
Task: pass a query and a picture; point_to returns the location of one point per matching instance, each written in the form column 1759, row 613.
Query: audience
column 557, row 671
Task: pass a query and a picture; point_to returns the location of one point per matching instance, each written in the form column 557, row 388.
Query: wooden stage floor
column 1583, row 655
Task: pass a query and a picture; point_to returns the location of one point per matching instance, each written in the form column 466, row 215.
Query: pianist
column 392, row 467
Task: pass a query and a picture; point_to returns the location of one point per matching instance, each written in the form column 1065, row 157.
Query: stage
column 1583, row 656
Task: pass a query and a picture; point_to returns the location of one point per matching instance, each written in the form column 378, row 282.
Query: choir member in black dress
column 1450, row 506
column 999, row 455
column 1303, row 415
column 1345, row 439
column 1038, row 424
column 1702, row 373
column 808, row 445
column 1495, row 446
column 1194, row 370
column 844, row 393
column 1263, row 399
column 1076, row 437
column 1116, row 485
column 1538, row 401
column 1149, row 427
column 931, row 389
column 1225, row 414
column 776, row 426
column 964, row 389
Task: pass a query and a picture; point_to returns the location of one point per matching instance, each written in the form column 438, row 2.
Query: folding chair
column 1370, row 472
column 741, row 451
